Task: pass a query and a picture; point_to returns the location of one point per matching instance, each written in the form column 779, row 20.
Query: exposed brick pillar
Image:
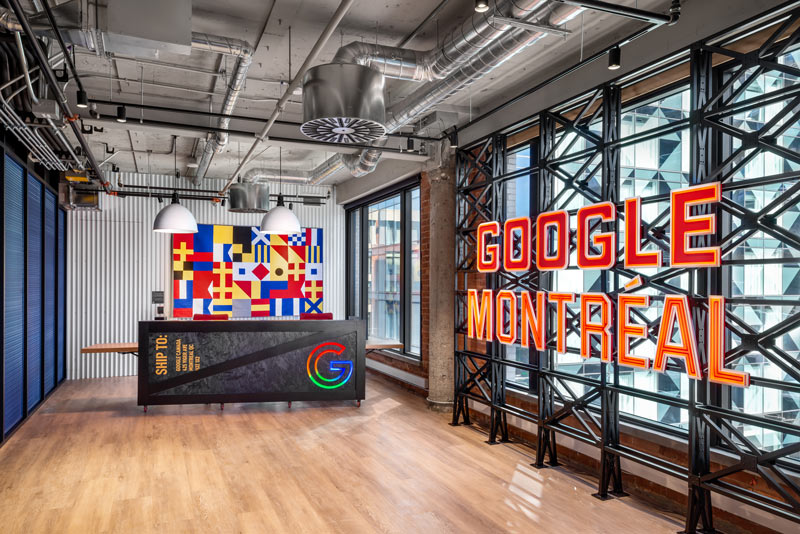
column 440, row 226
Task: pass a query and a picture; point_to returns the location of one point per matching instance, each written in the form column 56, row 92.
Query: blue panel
column 62, row 294
column 14, row 293
column 34, row 312
column 49, row 291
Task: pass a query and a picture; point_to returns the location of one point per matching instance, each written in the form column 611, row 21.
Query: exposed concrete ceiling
column 123, row 79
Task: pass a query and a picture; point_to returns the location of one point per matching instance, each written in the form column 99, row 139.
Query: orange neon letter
column 492, row 264
column 627, row 330
column 634, row 257
column 676, row 307
column 523, row 261
column 503, row 297
column 560, row 260
column 603, row 328
column 605, row 241
column 716, row 347
column 531, row 321
column 479, row 316
column 561, row 300
column 685, row 226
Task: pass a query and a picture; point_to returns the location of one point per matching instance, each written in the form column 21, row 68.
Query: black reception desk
column 189, row 362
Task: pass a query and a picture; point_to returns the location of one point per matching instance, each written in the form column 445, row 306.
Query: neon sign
column 341, row 369
column 597, row 250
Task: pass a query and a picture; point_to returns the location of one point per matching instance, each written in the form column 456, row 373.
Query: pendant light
column 481, row 6
column 83, row 99
column 280, row 219
column 174, row 218
column 614, row 58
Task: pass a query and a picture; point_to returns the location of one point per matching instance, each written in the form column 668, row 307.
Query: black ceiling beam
column 55, row 87
column 622, row 11
column 61, row 43
column 353, row 146
column 232, row 117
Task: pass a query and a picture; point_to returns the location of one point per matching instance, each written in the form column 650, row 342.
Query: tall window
column 517, row 203
column 383, row 265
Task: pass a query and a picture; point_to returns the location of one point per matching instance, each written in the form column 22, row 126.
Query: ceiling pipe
column 54, row 86
column 219, row 141
column 200, row 41
column 675, row 11
column 54, row 25
column 24, row 64
column 460, row 45
column 261, row 174
column 337, row 17
column 507, row 44
column 479, row 65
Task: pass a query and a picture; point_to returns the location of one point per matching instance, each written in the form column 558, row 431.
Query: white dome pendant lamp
column 174, row 218
column 280, row 219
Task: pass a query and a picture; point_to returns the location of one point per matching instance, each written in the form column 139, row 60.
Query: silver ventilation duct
column 232, row 47
column 511, row 42
column 343, row 103
column 332, row 94
column 462, row 43
column 262, row 174
column 248, row 197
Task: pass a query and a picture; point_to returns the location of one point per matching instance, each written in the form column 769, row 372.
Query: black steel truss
column 575, row 148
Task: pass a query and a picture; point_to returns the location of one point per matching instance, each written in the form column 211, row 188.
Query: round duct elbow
column 343, row 103
column 248, row 198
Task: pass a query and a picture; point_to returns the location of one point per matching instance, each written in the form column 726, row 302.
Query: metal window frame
column 402, row 190
column 479, row 367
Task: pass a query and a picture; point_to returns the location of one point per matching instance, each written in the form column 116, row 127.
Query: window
column 517, row 203
column 383, row 266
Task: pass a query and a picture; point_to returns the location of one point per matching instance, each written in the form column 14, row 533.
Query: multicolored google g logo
column 343, row 369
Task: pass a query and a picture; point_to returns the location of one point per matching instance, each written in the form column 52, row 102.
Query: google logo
column 343, row 369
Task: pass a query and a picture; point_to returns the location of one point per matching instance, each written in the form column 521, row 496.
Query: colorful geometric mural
column 240, row 272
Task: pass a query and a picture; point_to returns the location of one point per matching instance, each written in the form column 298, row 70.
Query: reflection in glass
column 416, row 277
column 383, row 275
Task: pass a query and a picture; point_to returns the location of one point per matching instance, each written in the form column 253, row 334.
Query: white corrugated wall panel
column 115, row 260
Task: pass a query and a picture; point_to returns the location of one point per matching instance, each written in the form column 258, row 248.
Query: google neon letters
column 545, row 246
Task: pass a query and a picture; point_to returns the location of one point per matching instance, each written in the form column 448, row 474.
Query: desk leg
column 290, row 404
column 145, row 409
column 221, row 406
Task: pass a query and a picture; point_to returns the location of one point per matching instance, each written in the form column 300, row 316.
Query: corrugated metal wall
column 115, row 260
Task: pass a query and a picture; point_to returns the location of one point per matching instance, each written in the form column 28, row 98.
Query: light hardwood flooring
column 89, row 461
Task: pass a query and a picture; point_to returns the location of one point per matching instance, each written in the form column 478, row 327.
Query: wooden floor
column 90, row 461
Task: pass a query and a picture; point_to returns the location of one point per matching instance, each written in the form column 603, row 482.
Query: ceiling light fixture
column 614, row 58
column 122, row 114
column 83, row 99
column 174, row 218
column 280, row 219
column 481, row 6
column 453, row 137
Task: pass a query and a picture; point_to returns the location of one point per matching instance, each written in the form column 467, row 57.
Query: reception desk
column 188, row 362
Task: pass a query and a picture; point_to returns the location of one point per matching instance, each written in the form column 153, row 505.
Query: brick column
column 438, row 233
